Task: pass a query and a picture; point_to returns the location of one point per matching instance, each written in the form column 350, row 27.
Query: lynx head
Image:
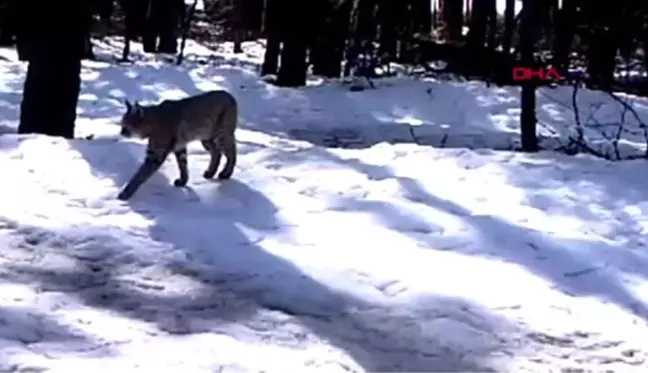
column 132, row 122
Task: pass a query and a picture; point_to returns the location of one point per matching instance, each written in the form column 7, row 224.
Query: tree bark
column 292, row 70
column 7, row 22
column 509, row 26
column 162, row 26
column 52, row 85
column 451, row 19
column 252, row 17
column 237, row 25
column 364, row 29
column 565, row 32
column 135, row 19
column 528, row 120
column 390, row 18
column 421, row 13
column 603, row 43
column 482, row 17
column 327, row 52
column 296, row 37
column 50, row 97
column 273, row 29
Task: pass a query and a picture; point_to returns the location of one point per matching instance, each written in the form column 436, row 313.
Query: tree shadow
column 31, row 331
column 577, row 267
column 213, row 234
column 28, row 335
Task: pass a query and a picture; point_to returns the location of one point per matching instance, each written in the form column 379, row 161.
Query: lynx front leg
column 152, row 163
column 181, row 158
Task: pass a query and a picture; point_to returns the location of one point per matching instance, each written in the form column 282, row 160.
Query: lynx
column 169, row 126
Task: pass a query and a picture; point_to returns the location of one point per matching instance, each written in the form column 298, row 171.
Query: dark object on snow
column 53, row 39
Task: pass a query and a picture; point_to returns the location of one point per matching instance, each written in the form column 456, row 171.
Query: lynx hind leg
column 181, row 158
column 215, row 157
column 228, row 145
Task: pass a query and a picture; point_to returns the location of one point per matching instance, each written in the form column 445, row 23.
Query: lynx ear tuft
column 137, row 109
column 129, row 106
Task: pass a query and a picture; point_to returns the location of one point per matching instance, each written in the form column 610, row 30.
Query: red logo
column 521, row 74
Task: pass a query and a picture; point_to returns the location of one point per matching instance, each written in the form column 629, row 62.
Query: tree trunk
column 293, row 67
column 252, row 17
column 296, row 35
column 162, row 25
column 271, row 57
column 327, row 52
column 482, row 16
column 52, row 85
column 236, row 25
column 364, row 30
column 135, row 20
column 50, row 97
column 602, row 44
column 89, row 53
column 509, row 26
column 421, row 13
column 7, row 23
column 389, row 16
column 565, row 31
column 451, row 19
column 273, row 29
column 528, row 135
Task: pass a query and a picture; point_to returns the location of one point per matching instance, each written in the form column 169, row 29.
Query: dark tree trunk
column 328, row 49
column 296, row 38
column 7, row 23
column 252, row 17
column 273, row 29
column 528, row 121
column 271, row 57
column 366, row 22
column 482, row 17
column 52, row 85
column 451, row 19
column 421, row 13
column 417, row 22
column 50, row 97
column 296, row 35
column 364, row 28
column 162, row 26
column 602, row 44
column 565, row 31
column 509, row 26
column 292, row 70
column 237, row 27
column 135, row 20
column 89, row 53
column 389, row 16
column 645, row 46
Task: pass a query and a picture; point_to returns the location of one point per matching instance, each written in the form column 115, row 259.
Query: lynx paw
column 209, row 174
column 225, row 174
column 179, row 182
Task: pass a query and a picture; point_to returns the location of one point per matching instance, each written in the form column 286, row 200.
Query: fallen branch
column 630, row 109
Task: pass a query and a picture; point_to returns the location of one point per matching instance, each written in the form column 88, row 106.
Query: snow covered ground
column 387, row 255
